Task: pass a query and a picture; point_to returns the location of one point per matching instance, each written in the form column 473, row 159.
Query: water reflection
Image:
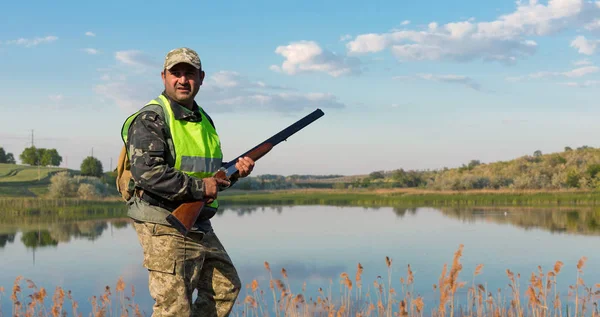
column 579, row 221
column 44, row 231
column 5, row 238
column 315, row 244
column 49, row 234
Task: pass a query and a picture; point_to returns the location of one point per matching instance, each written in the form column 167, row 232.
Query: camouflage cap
column 182, row 55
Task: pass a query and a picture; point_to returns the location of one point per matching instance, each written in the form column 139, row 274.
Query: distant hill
column 569, row 169
column 31, row 181
column 25, row 173
column 25, row 180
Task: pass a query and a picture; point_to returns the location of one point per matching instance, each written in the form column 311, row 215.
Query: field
column 25, row 181
column 455, row 295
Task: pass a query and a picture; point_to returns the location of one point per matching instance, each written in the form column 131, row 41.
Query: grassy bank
column 25, row 181
column 345, row 197
column 411, row 197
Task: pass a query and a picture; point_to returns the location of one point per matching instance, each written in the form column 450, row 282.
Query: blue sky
column 403, row 85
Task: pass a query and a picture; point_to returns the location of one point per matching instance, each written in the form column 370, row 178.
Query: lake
column 315, row 245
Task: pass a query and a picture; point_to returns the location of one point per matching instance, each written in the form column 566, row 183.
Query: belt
column 157, row 201
column 206, row 214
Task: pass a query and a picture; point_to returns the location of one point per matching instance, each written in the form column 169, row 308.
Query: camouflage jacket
column 152, row 161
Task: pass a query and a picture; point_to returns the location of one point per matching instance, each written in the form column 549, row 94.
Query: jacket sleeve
column 148, row 151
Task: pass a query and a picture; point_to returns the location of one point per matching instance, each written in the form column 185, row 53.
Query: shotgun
column 186, row 215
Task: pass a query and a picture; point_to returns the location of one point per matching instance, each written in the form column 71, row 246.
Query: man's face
column 182, row 82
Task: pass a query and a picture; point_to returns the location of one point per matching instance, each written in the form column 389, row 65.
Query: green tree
column 6, row 157
column 573, row 179
column 30, row 156
column 537, row 153
column 556, row 159
column 377, row 175
column 593, row 170
column 50, row 157
column 91, row 166
column 10, row 159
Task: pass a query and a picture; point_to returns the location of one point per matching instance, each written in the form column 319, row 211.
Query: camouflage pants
column 177, row 266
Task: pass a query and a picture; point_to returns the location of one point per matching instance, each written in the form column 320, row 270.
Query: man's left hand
column 245, row 165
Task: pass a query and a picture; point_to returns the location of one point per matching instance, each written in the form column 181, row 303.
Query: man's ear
column 162, row 75
column 202, row 74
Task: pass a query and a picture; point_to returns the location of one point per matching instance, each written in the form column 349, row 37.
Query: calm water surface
column 315, row 244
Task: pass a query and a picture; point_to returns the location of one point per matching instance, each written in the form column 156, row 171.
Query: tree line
column 35, row 156
column 7, row 158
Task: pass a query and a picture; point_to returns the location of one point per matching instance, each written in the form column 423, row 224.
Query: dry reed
column 452, row 297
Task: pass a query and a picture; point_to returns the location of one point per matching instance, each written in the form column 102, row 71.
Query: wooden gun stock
column 187, row 214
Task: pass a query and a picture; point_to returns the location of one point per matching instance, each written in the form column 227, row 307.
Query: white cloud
column 585, row 84
column 90, row 33
column 122, row 84
column 223, row 91
column 230, row 79
column 580, row 72
column 574, row 73
column 277, row 102
column 32, row 42
column 582, row 62
column 503, row 39
column 127, row 95
column 449, row 78
column 585, row 46
column 91, row 51
column 345, row 37
column 137, row 59
column 308, row 56
column 405, row 22
column 594, row 25
column 231, row 91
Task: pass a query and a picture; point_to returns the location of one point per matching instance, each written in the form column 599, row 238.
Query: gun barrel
column 280, row 136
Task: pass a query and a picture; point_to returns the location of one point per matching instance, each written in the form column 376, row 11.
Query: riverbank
column 348, row 197
column 413, row 197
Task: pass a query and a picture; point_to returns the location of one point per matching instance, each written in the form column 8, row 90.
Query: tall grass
column 414, row 197
column 27, row 205
column 454, row 296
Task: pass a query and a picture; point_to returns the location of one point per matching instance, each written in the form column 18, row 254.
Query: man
column 174, row 150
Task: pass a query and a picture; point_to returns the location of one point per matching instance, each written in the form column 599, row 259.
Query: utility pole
column 32, row 144
column 110, row 164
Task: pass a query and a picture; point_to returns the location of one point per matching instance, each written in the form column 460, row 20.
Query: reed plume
column 541, row 294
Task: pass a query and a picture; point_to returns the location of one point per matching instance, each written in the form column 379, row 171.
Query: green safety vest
column 196, row 145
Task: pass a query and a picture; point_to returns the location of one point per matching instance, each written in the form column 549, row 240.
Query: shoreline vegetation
column 453, row 295
column 415, row 197
column 570, row 169
column 343, row 197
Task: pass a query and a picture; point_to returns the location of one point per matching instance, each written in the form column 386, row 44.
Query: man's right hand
column 211, row 188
